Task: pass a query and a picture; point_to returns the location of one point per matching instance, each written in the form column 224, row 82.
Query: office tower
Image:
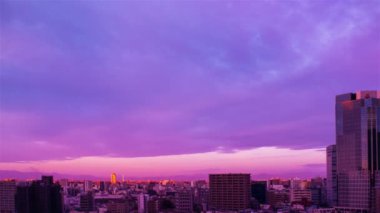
column 42, row 196
column 358, row 150
column 7, row 196
column 113, row 178
column 86, row 202
column 22, row 200
column 184, row 201
column 331, row 175
column 230, row 192
column 259, row 190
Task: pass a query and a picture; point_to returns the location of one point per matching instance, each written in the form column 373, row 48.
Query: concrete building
column 87, row 202
column 118, row 207
column 230, row 192
column 7, row 196
column 277, row 197
column 331, row 175
column 300, row 195
column 184, row 201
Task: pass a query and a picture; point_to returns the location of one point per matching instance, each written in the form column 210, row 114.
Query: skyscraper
column 358, row 150
column 7, row 196
column 230, row 192
column 42, row 196
column 331, row 175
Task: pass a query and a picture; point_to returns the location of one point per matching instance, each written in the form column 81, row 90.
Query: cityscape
column 164, row 106
column 352, row 183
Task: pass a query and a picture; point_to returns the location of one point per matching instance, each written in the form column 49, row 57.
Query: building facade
column 87, row 202
column 230, row 192
column 7, row 196
column 331, row 175
column 358, row 150
column 184, row 201
column 42, row 196
column 258, row 191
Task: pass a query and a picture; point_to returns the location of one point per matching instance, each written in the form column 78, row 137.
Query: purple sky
column 149, row 78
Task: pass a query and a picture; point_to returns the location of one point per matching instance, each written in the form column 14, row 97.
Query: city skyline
column 149, row 89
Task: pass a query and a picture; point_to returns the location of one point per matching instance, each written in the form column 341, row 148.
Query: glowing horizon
column 265, row 161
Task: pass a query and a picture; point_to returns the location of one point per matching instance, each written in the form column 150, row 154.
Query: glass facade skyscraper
column 358, row 150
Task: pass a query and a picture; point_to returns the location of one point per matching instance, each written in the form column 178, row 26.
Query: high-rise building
column 331, row 175
column 7, row 196
column 113, row 178
column 259, row 190
column 22, row 198
column 184, row 201
column 230, row 192
column 41, row 196
column 358, row 150
column 87, row 202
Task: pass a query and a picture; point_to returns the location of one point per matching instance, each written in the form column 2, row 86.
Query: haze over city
column 179, row 89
